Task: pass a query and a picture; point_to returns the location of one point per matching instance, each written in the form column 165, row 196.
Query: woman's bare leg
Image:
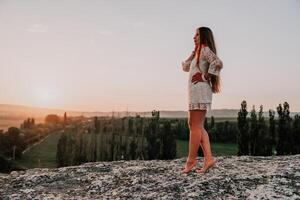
column 203, row 113
column 203, row 150
column 195, row 137
column 205, row 144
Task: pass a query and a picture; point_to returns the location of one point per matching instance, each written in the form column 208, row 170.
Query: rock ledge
column 233, row 177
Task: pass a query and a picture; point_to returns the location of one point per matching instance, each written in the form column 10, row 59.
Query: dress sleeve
column 215, row 64
column 186, row 65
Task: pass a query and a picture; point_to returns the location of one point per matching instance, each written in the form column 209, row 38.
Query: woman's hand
column 198, row 77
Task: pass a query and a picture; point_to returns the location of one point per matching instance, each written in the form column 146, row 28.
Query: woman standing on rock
column 204, row 68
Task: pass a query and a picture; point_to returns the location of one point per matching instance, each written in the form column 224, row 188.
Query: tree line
column 258, row 137
column 108, row 139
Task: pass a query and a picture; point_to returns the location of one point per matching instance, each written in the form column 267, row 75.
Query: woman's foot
column 200, row 170
column 189, row 166
column 208, row 164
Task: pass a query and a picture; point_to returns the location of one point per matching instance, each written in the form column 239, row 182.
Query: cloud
column 37, row 28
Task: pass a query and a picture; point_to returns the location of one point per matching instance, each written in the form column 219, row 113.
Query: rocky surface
column 232, row 177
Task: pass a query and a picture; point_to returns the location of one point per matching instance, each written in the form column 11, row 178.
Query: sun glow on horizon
column 45, row 97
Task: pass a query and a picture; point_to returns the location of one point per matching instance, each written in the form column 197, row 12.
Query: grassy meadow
column 218, row 149
column 43, row 154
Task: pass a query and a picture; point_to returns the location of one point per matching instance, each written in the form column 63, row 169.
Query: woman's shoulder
column 204, row 51
column 205, row 48
column 207, row 52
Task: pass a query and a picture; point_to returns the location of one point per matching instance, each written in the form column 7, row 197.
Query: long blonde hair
column 206, row 38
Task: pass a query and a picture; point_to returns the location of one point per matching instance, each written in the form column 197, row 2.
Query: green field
column 43, row 154
column 218, row 149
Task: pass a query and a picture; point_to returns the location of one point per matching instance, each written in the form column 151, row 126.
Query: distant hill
column 22, row 112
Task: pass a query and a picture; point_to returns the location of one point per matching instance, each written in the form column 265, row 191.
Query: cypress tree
column 206, row 124
column 264, row 142
column 253, row 133
column 272, row 126
column 132, row 149
column 168, row 142
column 212, row 121
column 65, row 118
column 61, row 152
column 296, row 134
column 243, row 135
column 152, row 136
column 285, row 141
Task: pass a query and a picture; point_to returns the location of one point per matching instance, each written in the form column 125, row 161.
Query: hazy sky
column 109, row 55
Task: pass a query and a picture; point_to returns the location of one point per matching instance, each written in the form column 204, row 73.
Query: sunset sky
column 113, row 55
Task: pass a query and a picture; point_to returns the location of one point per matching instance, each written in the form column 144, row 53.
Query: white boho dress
column 200, row 94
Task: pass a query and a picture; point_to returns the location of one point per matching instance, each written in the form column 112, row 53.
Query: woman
column 204, row 68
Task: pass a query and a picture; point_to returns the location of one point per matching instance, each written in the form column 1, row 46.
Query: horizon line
column 71, row 110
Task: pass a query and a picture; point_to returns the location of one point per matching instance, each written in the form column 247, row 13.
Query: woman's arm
column 186, row 64
column 215, row 63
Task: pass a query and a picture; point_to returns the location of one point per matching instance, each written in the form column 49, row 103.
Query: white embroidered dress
column 200, row 94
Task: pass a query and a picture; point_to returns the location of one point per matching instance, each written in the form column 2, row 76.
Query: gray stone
column 233, row 177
